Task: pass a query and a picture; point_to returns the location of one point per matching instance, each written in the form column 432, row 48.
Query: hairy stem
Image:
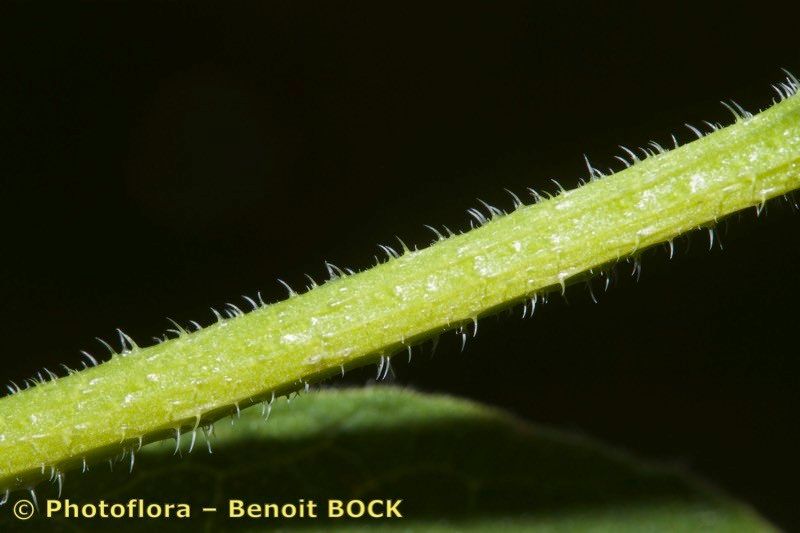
column 147, row 394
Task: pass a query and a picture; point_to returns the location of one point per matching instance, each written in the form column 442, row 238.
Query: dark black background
column 159, row 159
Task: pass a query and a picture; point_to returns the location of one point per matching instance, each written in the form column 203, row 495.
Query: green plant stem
column 187, row 382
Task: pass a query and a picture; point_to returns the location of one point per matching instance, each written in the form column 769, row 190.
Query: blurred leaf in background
column 457, row 466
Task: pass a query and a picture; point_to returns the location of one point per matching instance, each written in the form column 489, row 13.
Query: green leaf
column 456, row 466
